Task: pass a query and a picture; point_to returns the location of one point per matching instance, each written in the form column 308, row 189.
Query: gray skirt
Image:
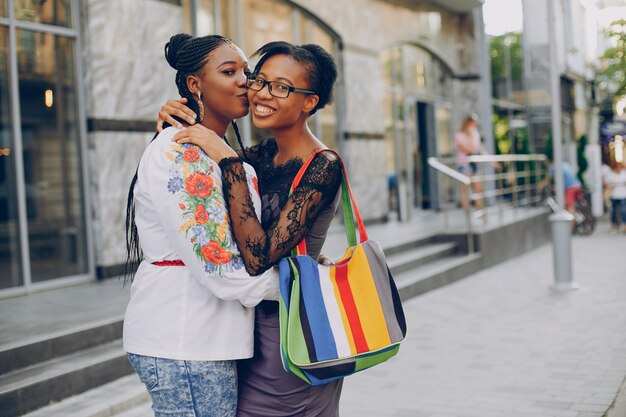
column 267, row 390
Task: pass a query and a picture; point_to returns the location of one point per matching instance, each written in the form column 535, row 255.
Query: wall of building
column 127, row 80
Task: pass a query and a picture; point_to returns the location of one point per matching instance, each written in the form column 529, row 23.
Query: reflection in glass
column 3, row 7
column 205, row 19
column 10, row 257
column 51, row 153
column 265, row 21
column 187, row 8
column 51, row 12
column 228, row 21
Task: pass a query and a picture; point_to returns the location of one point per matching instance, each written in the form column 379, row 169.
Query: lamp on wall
column 48, row 98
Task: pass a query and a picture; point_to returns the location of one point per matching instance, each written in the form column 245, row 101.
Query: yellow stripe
column 366, row 300
column 344, row 317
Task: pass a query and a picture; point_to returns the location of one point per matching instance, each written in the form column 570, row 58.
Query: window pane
column 187, row 6
column 52, row 12
column 10, row 258
column 52, row 171
column 3, row 7
column 228, row 21
column 265, row 21
column 206, row 18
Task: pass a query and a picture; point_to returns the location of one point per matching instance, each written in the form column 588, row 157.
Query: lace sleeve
column 252, row 154
column 260, row 248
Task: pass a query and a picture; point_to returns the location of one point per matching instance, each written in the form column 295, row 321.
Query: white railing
column 500, row 182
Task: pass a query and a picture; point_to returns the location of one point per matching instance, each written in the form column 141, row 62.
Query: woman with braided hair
column 191, row 310
column 289, row 84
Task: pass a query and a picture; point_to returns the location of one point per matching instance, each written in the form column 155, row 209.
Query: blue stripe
column 323, row 339
column 284, row 281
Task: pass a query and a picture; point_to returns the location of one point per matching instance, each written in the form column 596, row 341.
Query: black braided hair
column 187, row 55
column 321, row 67
column 243, row 148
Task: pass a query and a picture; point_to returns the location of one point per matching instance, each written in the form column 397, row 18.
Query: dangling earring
column 200, row 107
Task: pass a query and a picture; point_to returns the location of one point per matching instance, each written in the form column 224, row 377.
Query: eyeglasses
column 275, row 88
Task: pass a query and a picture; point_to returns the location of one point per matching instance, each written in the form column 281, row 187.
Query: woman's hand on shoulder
column 210, row 142
column 176, row 108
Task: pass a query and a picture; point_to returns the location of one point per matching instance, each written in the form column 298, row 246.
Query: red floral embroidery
column 255, row 183
column 192, row 154
column 201, row 214
column 199, row 185
column 212, row 252
column 181, row 206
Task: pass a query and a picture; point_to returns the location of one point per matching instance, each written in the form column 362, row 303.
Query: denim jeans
column 618, row 210
column 188, row 388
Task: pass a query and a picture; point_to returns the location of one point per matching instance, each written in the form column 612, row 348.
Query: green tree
column 611, row 75
column 497, row 46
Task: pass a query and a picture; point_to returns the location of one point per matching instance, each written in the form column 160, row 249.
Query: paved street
column 500, row 344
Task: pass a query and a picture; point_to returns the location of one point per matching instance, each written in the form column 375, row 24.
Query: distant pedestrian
column 467, row 142
column 615, row 182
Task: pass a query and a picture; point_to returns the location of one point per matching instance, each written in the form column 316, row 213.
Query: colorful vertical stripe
column 338, row 319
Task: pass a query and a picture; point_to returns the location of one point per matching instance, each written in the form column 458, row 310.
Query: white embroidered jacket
column 204, row 309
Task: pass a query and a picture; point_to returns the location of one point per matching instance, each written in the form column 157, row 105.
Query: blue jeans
column 188, row 388
column 618, row 210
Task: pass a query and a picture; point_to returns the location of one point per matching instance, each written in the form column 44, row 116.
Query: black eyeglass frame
column 251, row 80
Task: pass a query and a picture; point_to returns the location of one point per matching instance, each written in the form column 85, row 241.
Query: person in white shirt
column 615, row 182
column 191, row 310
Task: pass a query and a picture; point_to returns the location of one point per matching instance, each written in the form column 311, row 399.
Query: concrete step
column 45, row 347
column 436, row 274
column 35, row 386
column 142, row 410
column 408, row 244
column 419, row 268
column 420, row 255
column 125, row 396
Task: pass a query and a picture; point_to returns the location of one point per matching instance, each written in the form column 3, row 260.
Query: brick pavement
column 500, row 344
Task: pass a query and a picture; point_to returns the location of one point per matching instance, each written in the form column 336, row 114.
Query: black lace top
column 285, row 219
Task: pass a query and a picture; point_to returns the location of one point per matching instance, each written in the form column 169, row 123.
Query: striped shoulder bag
column 339, row 319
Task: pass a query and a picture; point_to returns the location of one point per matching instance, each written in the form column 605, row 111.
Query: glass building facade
column 81, row 83
column 43, row 224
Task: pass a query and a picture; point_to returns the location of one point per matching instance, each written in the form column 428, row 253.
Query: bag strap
column 350, row 208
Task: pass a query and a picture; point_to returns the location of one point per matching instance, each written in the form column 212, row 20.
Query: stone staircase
column 83, row 372
column 57, row 366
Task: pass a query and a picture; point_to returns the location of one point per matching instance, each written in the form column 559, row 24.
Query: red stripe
column 341, row 276
column 176, row 262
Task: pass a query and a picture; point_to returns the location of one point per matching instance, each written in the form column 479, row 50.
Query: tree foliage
column 612, row 73
column 497, row 46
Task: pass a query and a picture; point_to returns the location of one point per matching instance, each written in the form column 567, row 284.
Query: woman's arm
column 178, row 109
column 184, row 187
column 261, row 248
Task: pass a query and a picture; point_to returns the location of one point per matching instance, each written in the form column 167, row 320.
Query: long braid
column 243, row 148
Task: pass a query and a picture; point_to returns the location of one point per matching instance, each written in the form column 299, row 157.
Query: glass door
column 51, row 155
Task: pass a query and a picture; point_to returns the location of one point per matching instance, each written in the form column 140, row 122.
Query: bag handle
column 350, row 208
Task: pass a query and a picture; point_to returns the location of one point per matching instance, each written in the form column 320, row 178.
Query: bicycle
column 584, row 222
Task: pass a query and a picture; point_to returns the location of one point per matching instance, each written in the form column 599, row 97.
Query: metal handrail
column 514, row 181
column 464, row 179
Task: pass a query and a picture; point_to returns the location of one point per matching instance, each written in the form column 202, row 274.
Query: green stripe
column 371, row 360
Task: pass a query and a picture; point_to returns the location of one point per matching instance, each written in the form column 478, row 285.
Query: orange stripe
column 351, row 311
column 342, row 310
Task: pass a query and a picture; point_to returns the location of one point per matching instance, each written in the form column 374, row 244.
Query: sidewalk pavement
column 500, row 344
